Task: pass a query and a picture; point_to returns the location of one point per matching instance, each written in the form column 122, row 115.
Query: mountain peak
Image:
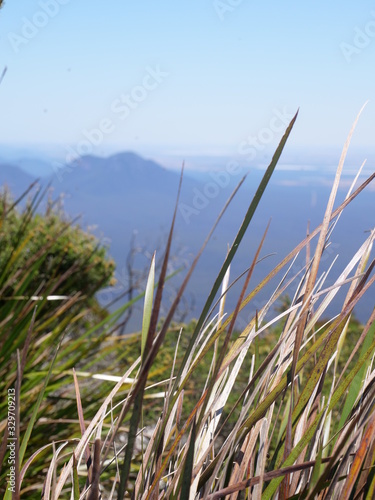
column 126, row 161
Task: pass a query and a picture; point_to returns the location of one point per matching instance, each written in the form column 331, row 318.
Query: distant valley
column 126, row 192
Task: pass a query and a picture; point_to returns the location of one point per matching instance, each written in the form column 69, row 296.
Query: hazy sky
column 201, row 76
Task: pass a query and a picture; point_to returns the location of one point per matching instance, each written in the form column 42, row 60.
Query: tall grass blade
column 137, row 409
column 159, row 339
column 310, row 285
column 99, row 415
column 82, row 424
column 248, row 217
column 76, row 492
column 94, row 492
column 354, row 389
column 188, row 466
column 360, row 455
column 34, row 413
column 147, row 309
column 339, row 391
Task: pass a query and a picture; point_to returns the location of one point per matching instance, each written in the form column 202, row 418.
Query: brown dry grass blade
column 82, row 424
column 266, row 477
column 159, row 339
column 94, row 493
column 365, row 445
column 163, row 274
column 366, row 476
column 20, row 369
column 21, row 363
column 161, row 336
column 310, row 285
column 139, row 389
column 223, row 349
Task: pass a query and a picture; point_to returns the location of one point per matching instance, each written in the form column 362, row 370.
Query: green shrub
column 44, row 255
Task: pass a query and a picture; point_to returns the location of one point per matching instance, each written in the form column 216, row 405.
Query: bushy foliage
column 62, row 250
column 43, row 255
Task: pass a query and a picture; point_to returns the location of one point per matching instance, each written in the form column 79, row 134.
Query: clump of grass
column 304, row 424
column 50, row 270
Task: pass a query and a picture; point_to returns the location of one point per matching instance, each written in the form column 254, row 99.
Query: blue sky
column 183, row 78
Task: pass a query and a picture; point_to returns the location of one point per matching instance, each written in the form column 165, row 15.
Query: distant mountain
column 35, row 167
column 123, row 173
column 15, row 178
column 119, row 194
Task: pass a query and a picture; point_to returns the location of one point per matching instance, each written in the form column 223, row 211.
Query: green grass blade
column 76, row 492
column 248, row 217
column 140, row 386
column 340, row 390
column 355, row 386
column 147, row 309
column 188, row 468
column 34, row 413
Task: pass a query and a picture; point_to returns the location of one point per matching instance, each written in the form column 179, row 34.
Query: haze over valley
column 126, row 198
